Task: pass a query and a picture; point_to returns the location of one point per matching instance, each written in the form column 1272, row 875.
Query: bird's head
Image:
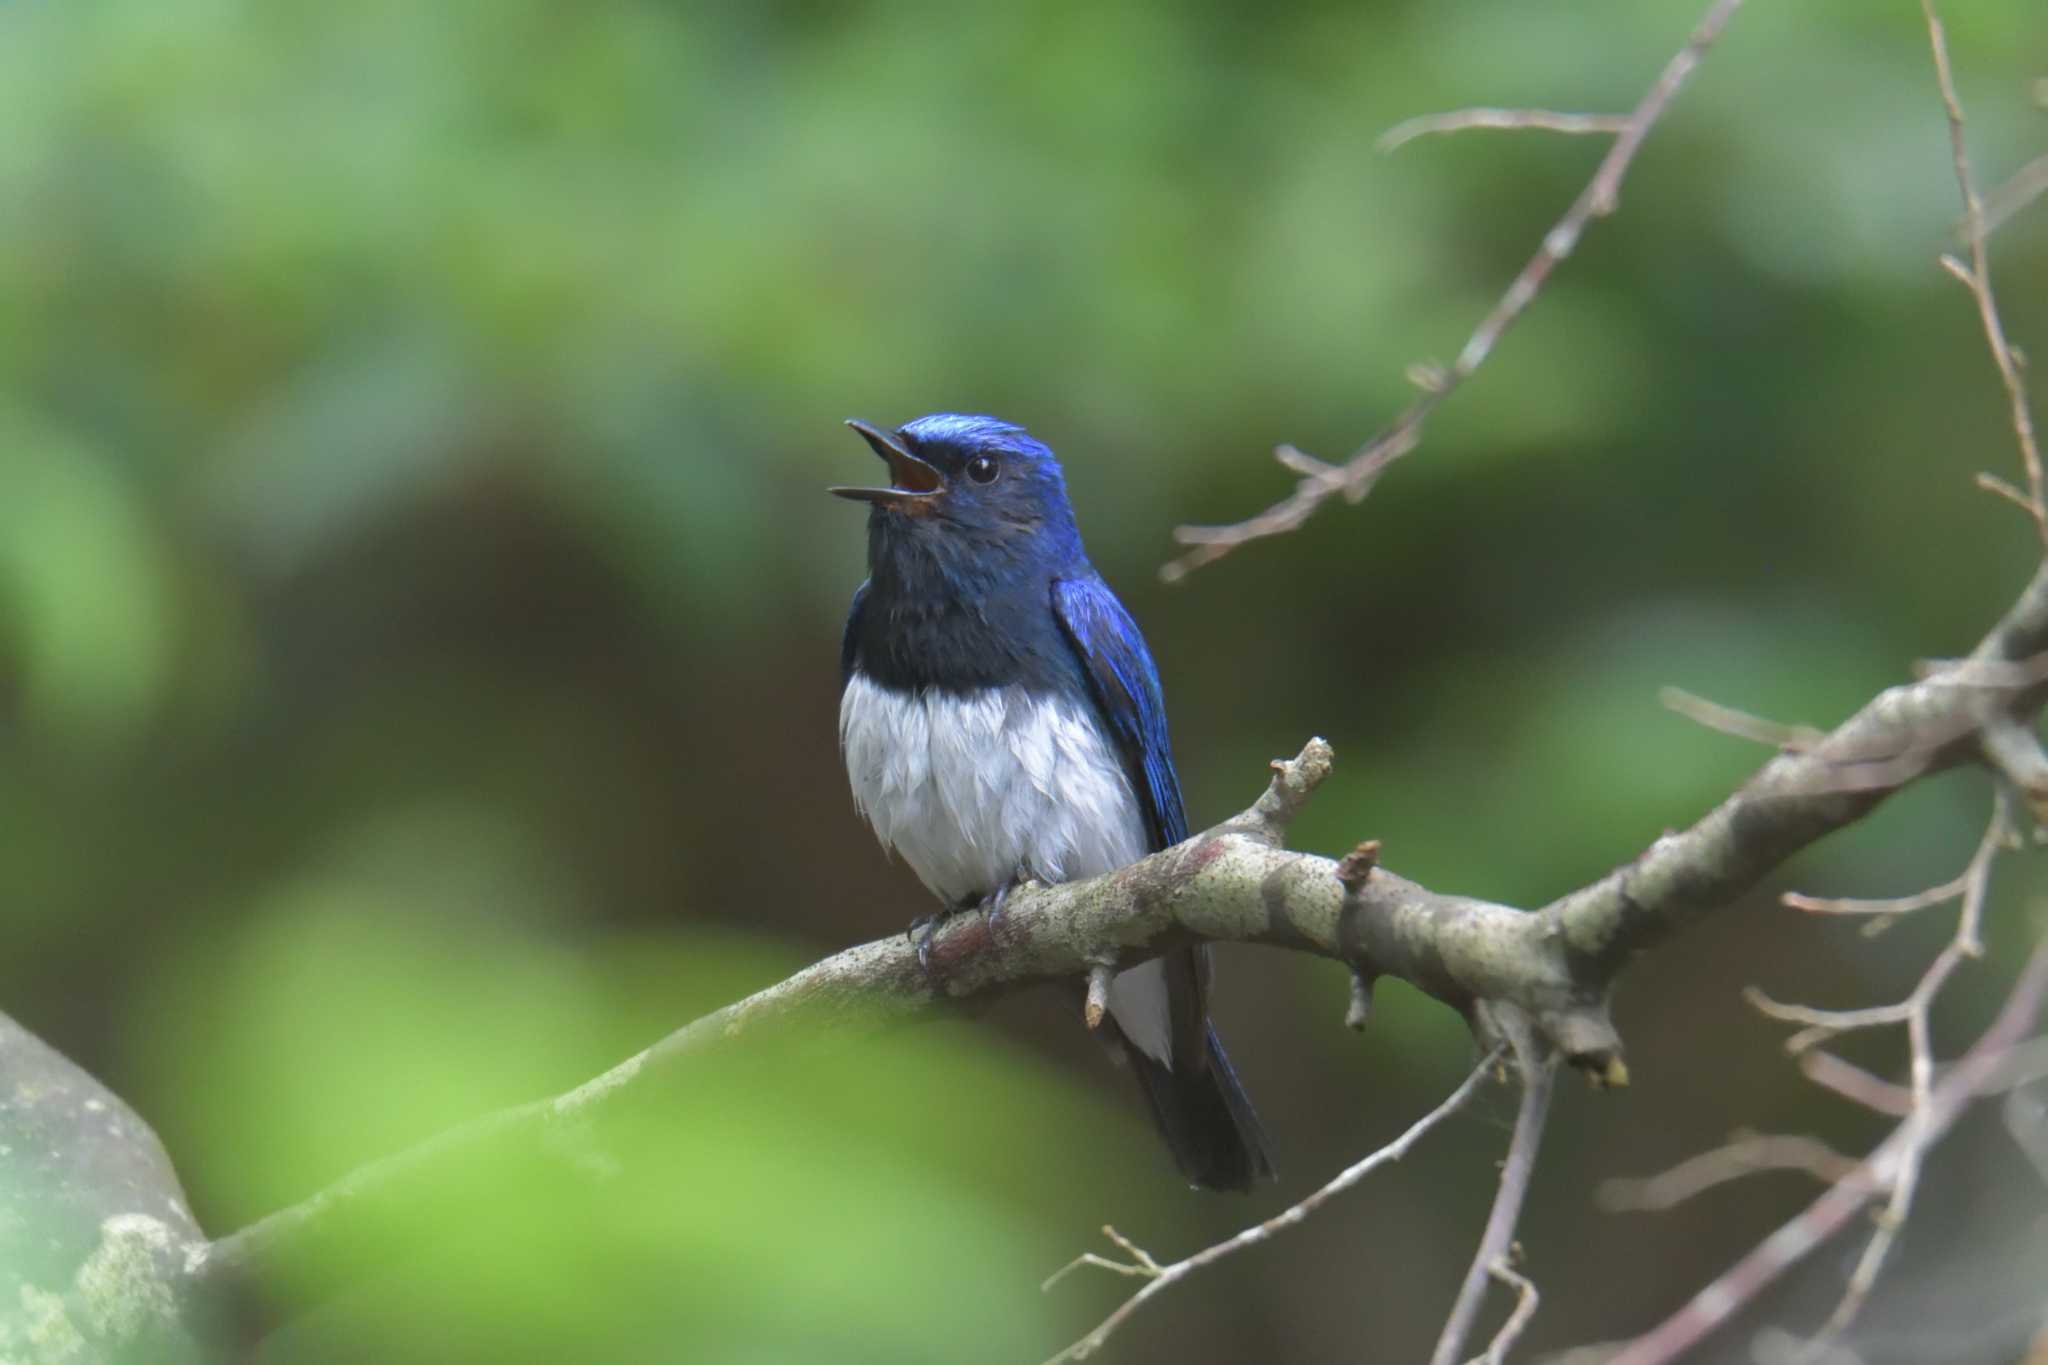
column 961, row 486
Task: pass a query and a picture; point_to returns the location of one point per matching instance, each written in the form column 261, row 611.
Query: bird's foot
column 924, row 928
column 991, row 906
column 921, row 931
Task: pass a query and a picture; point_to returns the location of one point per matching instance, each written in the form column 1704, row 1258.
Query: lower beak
column 911, row 480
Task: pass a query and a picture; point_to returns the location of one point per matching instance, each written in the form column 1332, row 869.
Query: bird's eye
column 983, row 469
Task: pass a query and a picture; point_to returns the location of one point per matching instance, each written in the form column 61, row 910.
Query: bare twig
column 1970, row 889
column 2022, row 188
column 1741, row 724
column 1889, row 905
column 1159, row 1277
column 1856, row 1085
column 1537, row 1072
column 1878, row 1172
column 1976, row 277
column 1743, row 1155
column 1355, row 477
column 2023, row 1066
column 1464, row 120
column 1526, row 1300
column 1140, row 1265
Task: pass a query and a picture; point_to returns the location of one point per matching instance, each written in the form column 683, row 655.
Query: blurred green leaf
column 84, row 604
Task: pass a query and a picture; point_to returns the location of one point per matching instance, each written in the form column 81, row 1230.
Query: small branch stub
column 1360, row 1009
column 1591, row 1044
column 1097, row 1007
column 1354, row 867
column 1352, row 871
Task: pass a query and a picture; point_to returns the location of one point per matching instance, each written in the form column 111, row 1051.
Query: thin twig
column 1987, row 481
column 1464, row 120
column 1355, row 477
column 2022, row 188
column 1159, row 1277
column 1832, row 1211
column 1976, row 276
column 1741, row 724
column 1537, row 1074
column 2023, row 1066
column 1743, row 1155
column 1856, row 1085
column 1888, row 905
column 1911, row 1011
column 1526, row 1300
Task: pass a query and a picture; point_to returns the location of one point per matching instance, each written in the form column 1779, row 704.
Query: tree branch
column 1160, row 1277
column 1537, row 1069
column 1237, row 883
column 1355, row 477
column 1509, row 120
column 1879, row 1172
column 1976, row 277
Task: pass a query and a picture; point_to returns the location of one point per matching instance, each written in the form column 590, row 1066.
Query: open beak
column 911, row 480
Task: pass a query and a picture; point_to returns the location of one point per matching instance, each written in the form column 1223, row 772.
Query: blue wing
column 852, row 636
column 1126, row 687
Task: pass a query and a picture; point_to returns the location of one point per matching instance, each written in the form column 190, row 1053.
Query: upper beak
column 911, row 479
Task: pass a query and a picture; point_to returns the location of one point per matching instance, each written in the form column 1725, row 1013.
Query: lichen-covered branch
column 1237, row 882
column 95, row 1234
column 1904, row 733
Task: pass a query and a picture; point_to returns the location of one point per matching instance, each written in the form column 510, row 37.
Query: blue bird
column 1002, row 721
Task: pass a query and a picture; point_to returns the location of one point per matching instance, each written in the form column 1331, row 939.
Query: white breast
column 975, row 791
column 979, row 790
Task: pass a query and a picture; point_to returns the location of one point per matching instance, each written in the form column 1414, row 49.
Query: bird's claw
column 920, row 932
column 991, row 906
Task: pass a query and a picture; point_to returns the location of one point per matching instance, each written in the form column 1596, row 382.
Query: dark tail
column 1207, row 1120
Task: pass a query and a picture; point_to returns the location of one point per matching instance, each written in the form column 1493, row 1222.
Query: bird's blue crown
column 965, row 434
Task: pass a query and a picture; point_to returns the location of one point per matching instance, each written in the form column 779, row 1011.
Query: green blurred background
column 419, row 611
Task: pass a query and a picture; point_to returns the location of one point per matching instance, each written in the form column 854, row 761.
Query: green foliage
column 418, row 605
column 738, row 1221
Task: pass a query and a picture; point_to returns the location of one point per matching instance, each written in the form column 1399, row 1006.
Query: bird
column 1002, row 721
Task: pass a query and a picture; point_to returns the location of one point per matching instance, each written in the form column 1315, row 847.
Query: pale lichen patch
column 122, row 1285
